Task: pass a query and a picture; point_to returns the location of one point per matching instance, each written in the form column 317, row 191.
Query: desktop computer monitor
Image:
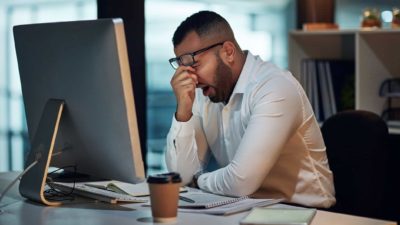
column 83, row 64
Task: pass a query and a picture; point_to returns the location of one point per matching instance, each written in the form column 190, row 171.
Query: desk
column 17, row 211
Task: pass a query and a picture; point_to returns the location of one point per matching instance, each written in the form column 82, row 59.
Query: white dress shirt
column 266, row 141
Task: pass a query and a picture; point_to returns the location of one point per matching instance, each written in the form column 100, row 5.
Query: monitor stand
column 33, row 182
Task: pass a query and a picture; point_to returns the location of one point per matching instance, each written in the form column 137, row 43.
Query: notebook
column 206, row 200
column 235, row 207
column 276, row 216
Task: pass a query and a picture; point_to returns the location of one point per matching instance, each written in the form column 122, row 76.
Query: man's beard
column 223, row 82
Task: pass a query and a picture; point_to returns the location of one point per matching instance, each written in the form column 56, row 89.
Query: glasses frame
column 176, row 62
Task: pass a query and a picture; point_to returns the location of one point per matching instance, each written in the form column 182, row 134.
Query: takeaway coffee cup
column 164, row 196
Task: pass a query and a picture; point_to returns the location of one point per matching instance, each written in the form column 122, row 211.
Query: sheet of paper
column 267, row 216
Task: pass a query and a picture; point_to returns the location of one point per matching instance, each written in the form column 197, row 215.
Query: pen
column 186, row 199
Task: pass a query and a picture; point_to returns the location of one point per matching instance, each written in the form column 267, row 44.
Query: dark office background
column 266, row 21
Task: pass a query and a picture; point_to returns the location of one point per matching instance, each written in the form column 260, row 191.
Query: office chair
column 356, row 146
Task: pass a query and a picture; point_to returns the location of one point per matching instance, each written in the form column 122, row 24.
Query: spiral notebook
column 235, row 207
column 206, row 200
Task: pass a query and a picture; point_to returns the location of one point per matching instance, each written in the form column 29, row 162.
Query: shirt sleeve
column 186, row 148
column 276, row 112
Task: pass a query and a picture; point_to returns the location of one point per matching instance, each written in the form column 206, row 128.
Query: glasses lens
column 187, row 60
column 174, row 63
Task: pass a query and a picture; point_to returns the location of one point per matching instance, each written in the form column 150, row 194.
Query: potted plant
column 371, row 18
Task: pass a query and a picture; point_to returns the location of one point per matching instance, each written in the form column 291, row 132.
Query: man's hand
column 184, row 84
column 193, row 183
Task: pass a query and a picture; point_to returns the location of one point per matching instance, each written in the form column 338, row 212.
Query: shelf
column 345, row 31
column 376, row 54
column 323, row 32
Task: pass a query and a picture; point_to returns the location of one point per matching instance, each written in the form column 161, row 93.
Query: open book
column 139, row 189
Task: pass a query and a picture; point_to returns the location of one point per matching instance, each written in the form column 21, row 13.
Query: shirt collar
column 244, row 76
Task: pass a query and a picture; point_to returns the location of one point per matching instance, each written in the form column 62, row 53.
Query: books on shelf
column 329, row 85
column 315, row 100
column 390, row 89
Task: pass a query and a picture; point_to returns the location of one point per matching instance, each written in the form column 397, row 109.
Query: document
column 273, row 216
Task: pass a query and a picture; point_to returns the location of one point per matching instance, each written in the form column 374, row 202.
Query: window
column 259, row 27
column 13, row 131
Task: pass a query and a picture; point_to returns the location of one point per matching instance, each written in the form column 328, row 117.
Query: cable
column 53, row 194
column 3, row 193
column 38, row 157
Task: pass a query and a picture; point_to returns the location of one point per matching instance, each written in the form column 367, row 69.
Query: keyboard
column 97, row 193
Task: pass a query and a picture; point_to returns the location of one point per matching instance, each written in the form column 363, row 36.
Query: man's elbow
column 186, row 178
column 186, row 175
column 244, row 187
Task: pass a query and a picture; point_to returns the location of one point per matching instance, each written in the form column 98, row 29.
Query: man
column 253, row 117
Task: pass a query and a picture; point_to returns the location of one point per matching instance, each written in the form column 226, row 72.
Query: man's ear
column 229, row 51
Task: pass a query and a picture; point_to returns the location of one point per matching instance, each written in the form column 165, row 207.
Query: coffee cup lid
column 164, row 178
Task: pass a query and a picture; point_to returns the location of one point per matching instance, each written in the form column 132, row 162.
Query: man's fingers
column 184, row 76
column 194, row 78
column 186, row 82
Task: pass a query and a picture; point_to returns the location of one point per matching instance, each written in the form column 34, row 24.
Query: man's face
column 222, row 82
column 214, row 76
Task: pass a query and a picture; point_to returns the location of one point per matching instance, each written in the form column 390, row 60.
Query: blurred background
column 261, row 26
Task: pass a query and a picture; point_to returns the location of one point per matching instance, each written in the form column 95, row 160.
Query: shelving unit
column 376, row 54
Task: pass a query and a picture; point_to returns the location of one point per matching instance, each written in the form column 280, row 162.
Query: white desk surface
column 17, row 210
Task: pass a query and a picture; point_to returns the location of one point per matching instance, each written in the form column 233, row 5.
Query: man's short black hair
column 201, row 22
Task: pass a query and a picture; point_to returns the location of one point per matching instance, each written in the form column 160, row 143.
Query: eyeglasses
column 188, row 59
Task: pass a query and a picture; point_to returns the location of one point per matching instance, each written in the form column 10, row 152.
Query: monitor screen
column 85, row 64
